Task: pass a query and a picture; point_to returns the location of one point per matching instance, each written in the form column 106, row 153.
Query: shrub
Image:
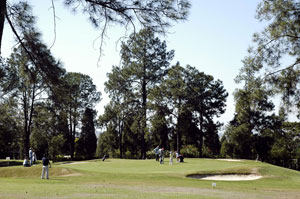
column 189, row 151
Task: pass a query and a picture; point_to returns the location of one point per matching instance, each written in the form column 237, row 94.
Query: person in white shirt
column 171, row 158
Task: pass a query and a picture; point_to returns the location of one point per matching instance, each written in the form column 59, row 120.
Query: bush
column 189, row 151
column 207, row 153
column 150, row 154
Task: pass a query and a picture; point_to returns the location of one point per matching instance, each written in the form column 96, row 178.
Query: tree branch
column 291, row 66
column 54, row 22
column 2, row 19
column 21, row 43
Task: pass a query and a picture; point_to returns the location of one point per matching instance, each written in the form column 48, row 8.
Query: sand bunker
column 227, row 177
column 76, row 163
column 230, row 160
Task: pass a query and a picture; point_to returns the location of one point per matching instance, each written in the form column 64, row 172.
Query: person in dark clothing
column 45, row 162
column 104, row 158
column 156, row 151
column 161, row 155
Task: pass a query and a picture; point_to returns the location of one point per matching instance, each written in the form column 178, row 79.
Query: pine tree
column 88, row 139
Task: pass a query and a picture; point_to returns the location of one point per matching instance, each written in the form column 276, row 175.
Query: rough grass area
column 32, row 172
column 143, row 179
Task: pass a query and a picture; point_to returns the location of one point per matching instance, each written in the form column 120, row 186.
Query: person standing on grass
column 30, row 156
column 161, row 155
column 156, row 151
column 45, row 162
column 177, row 156
column 33, row 157
column 171, row 158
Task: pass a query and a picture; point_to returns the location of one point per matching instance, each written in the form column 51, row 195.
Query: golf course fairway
column 142, row 179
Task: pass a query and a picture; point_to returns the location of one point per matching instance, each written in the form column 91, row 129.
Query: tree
column 191, row 100
column 276, row 49
column 145, row 59
column 170, row 96
column 10, row 131
column 111, row 121
column 286, row 145
column 120, row 106
column 29, row 85
column 206, row 100
column 252, row 112
column 30, row 80
column 105, row 144
column 87, row 139
column 153, row 14
column 80, row 93
column 159, row 131
column 49, row 130
column 189, row 131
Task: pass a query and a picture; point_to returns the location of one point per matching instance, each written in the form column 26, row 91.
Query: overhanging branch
column 289, row 67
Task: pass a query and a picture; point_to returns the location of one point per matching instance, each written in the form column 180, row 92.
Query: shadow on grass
column 10, row 163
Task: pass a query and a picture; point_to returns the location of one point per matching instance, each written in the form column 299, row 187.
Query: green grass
column 145, row 179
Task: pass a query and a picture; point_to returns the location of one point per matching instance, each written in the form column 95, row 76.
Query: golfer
column 156, row 151
column 46, row 162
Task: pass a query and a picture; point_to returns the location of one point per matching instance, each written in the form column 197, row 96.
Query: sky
column 214, row 39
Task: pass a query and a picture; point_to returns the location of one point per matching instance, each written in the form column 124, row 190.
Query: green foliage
column 29, row 83
column 155, row 15
column 276, row 49
column 9, row 131
column 286, row 145
column 55, row 146
column 80, row 93
column 87, row 143
column 252, row 116
column 145, row 59
column 105, row 144
column 190, row 100
column 189, row 151
column 159, row 132
column 275, row 55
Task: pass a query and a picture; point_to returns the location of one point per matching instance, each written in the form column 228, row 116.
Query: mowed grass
column 120, row 179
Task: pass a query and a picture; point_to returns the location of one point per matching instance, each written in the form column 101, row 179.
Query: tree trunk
column 2, row 19
column 201, row 136
column 120, row 137
column 144, row 118
column 25, row 130
column 178, row 135
column 71, row 133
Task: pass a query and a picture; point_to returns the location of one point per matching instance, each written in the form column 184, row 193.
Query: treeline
column 153, row 102
column 177, row 108
column 43, row 106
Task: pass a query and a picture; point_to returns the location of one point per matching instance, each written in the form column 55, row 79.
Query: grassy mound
column 32, row 172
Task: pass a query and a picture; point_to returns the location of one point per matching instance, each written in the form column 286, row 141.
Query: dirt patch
column 227, row 177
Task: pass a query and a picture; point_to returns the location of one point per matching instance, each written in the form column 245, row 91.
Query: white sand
column 77, row 162
column 230, row 177
column 230, row 160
